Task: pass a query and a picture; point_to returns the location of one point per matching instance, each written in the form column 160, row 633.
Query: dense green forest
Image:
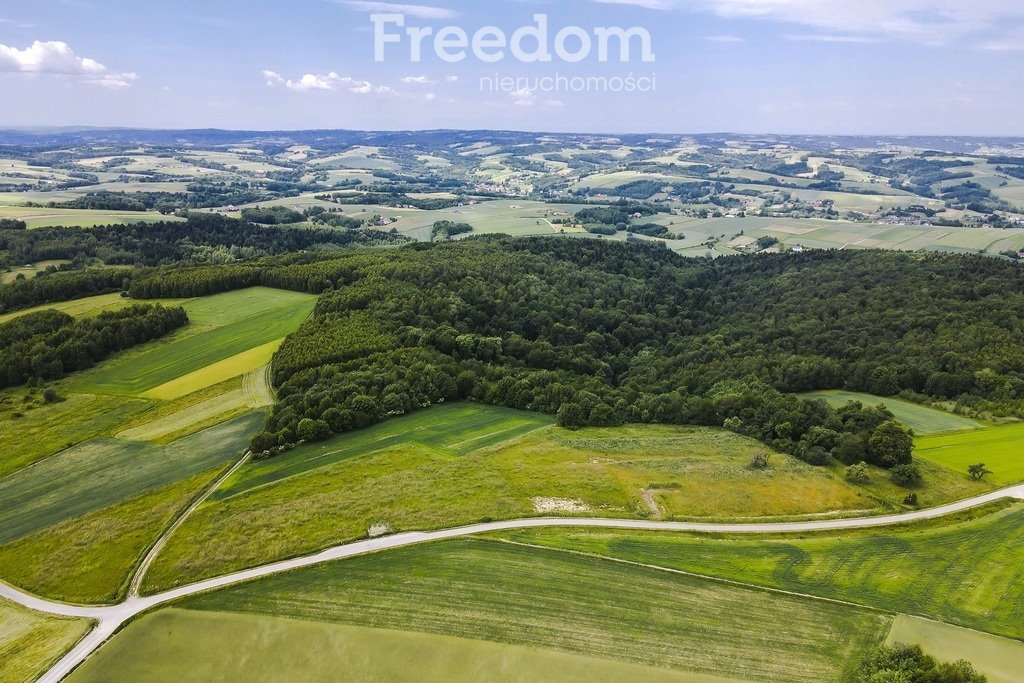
column 600, row 333
column 49, row 344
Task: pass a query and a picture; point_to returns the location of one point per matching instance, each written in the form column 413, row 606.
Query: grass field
column 89, row 560
column 969, row 573
column 552, row 600
column 104, row 472
column 445, row 466
column 82, row 218
column 30, row 642
column 922, row 419
column 46, row 429
column 999, row 448
column 1001, row 659
column 241, row 323
column 174, row 645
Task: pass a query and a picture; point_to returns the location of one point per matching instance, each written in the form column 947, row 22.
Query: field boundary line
column 140, row 573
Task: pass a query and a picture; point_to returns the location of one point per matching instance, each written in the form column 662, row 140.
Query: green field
column 922, row 419
column 88, row 560
column 552, row 600
column 82, row 218
column 998, row 658
column 240, row 321
column 46, row 429
column 175, row 645
column 967, row 573
column 999, row 448
column 31, row 642
column 104, row 472
column 444, row 467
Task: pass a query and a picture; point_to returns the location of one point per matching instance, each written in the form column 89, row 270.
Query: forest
column 602, row 333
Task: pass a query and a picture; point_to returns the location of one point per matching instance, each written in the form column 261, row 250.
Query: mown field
column 88, row 306
column 998, row 658
column 966, row 573
column 244, row 326
column 556, row 601
column 922, row 419
column 31, row 642
column 999, row 448
column 174, row 644
column 104, row 472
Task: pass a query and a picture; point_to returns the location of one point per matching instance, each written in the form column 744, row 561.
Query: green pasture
column 1000, row 659
column 922, row 419
column 177, row 644
column 967, row 573
column 31, row 642
column 1000, row 448
column 104, row 472
column 460, row 463
column 81, row 218
column 556, row 601
column 89, row 306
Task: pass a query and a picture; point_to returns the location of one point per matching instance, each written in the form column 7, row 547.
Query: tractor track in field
column 111, row 618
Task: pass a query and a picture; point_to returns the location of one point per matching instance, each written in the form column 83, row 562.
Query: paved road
column 111, row 618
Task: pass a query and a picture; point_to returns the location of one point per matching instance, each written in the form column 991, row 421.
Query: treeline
column 49, row 344
column 448, row 229
column 202, row 238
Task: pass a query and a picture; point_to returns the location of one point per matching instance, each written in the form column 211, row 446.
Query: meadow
column 238, row 329
column 967, row 573
column 103, row 472
column 81, row 218
column 89, row 559
column 460, row 463
column 30, row 642
column 89, row 306
column 999, row 448
column 922, row 419
column 551, row 600
column 176, row 644
column 998, row 658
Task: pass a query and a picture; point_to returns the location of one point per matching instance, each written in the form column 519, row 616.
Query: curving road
column 111, row 618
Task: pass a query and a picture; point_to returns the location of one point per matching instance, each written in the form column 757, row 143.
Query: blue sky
column 788, row 66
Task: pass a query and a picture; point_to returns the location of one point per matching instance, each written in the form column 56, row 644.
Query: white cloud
column 420, row 11
column 57, row 58
column 329, row 81
column 417, row 80
column 451, row 79
column 924, row 21
column 647, row 4
column 829, row 38
column 524, row 97
column 725, row 39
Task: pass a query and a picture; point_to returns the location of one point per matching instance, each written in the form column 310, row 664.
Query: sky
column 879, row 67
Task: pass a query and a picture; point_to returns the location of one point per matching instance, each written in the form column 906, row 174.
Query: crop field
column 998, row 658
column 424, row 472
column 88, row 560
column 241, row 323
column 30, row 642
column 200, row 413
column 104, row 472
column 922, row 419
column 176, row 644
column 553, row 600
column 28, row 272
column 915, row 570
column 999, row 448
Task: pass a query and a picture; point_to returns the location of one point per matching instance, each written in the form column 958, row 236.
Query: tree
column 571, row 416
column 979, row 471
column 906, row 475
column 891, row 445
column 312, row 430
column 858, row 474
